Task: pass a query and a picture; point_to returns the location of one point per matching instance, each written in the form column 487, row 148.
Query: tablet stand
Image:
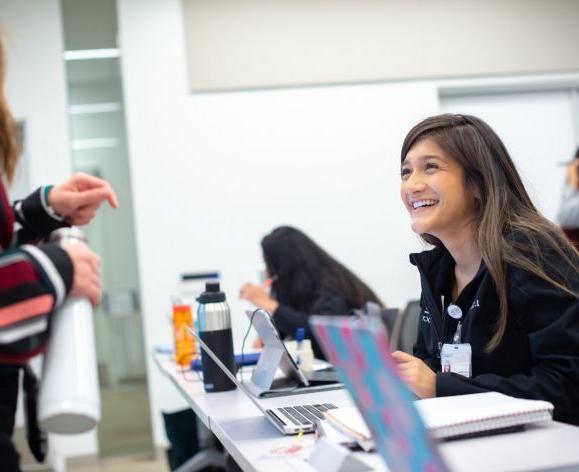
column 265, row 370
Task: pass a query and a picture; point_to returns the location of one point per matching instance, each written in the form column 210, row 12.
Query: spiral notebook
column 456, row 416
column 448, row 417
column 403, row 430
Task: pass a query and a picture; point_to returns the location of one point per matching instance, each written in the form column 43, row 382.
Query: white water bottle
column 69, row 397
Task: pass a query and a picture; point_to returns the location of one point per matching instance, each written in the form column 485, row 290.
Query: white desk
column 256, row 445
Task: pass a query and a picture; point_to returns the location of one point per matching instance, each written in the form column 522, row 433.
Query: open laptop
column 274, row 356
column 300, row 418
column 360, row 350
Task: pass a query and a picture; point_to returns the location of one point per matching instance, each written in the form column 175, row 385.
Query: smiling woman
column 500, row 290
column 434, row 193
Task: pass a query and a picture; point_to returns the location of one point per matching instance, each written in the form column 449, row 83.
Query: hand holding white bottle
column 87, row 272
column 69, row 398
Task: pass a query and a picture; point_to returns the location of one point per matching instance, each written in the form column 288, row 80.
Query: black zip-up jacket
column 538, row 356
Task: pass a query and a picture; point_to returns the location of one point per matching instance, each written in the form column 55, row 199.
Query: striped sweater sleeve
column 34, row 279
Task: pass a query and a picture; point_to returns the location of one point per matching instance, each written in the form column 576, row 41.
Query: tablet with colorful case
column 360, row 350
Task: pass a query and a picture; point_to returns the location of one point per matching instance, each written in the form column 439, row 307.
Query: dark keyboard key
column 314, row 411
column 310, row 417
column 303, row 416
column 305, row 413
column 329, row 406
column 285, row 415
column 292, row 417
column 292, row 411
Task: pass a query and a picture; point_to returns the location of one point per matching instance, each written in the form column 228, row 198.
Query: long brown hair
column 509, row 229
column 8, row 140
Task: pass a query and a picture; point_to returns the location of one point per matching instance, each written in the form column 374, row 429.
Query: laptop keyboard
column 305, row 414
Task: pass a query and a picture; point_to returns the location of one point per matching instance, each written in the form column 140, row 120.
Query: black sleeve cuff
column 448, row 384
column 33, row 214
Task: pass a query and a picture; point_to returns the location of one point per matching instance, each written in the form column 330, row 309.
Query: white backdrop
column 539, row 130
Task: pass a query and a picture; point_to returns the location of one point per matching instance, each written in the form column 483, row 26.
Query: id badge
column 456, row 358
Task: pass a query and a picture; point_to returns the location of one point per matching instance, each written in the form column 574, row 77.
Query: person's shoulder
column 559, row 265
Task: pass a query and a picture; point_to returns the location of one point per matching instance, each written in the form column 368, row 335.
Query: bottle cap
column 212, row 294
column 65, row 235
column 212, row 287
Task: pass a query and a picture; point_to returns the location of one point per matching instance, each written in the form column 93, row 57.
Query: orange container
column 185, row 344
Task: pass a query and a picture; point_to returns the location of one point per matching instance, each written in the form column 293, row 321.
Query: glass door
column 99, row 147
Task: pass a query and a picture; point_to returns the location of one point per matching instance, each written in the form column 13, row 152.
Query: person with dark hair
column 35, row 276
column 304, row 280
column 501, row 285
column 568, row 215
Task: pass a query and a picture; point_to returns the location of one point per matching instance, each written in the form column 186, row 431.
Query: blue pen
column 300, row 336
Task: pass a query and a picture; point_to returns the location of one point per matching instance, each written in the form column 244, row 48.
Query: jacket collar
column 435, row 267
column 432, row 261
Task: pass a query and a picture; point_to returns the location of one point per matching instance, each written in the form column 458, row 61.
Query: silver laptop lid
column 284, row 425
column 225, row 370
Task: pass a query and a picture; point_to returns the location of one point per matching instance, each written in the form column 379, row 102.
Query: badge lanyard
column 456, row 357
column 455, row 312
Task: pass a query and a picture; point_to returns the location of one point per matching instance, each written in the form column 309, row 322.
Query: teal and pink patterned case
column 360, row 351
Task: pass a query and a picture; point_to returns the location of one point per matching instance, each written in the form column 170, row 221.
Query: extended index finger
column 86, row 182
column 92, row 198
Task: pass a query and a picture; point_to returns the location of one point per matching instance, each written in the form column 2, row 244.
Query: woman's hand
column 86, row 280
column 78, row 199
column 419, row 377
column 257, row 344
column 258, row 295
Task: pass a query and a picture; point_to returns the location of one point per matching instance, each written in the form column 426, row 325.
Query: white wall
column 213, row 173
column 36, row 85
column 36, row 91
column 538, row 128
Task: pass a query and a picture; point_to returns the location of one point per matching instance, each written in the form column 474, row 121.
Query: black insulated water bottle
column 214, row 321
